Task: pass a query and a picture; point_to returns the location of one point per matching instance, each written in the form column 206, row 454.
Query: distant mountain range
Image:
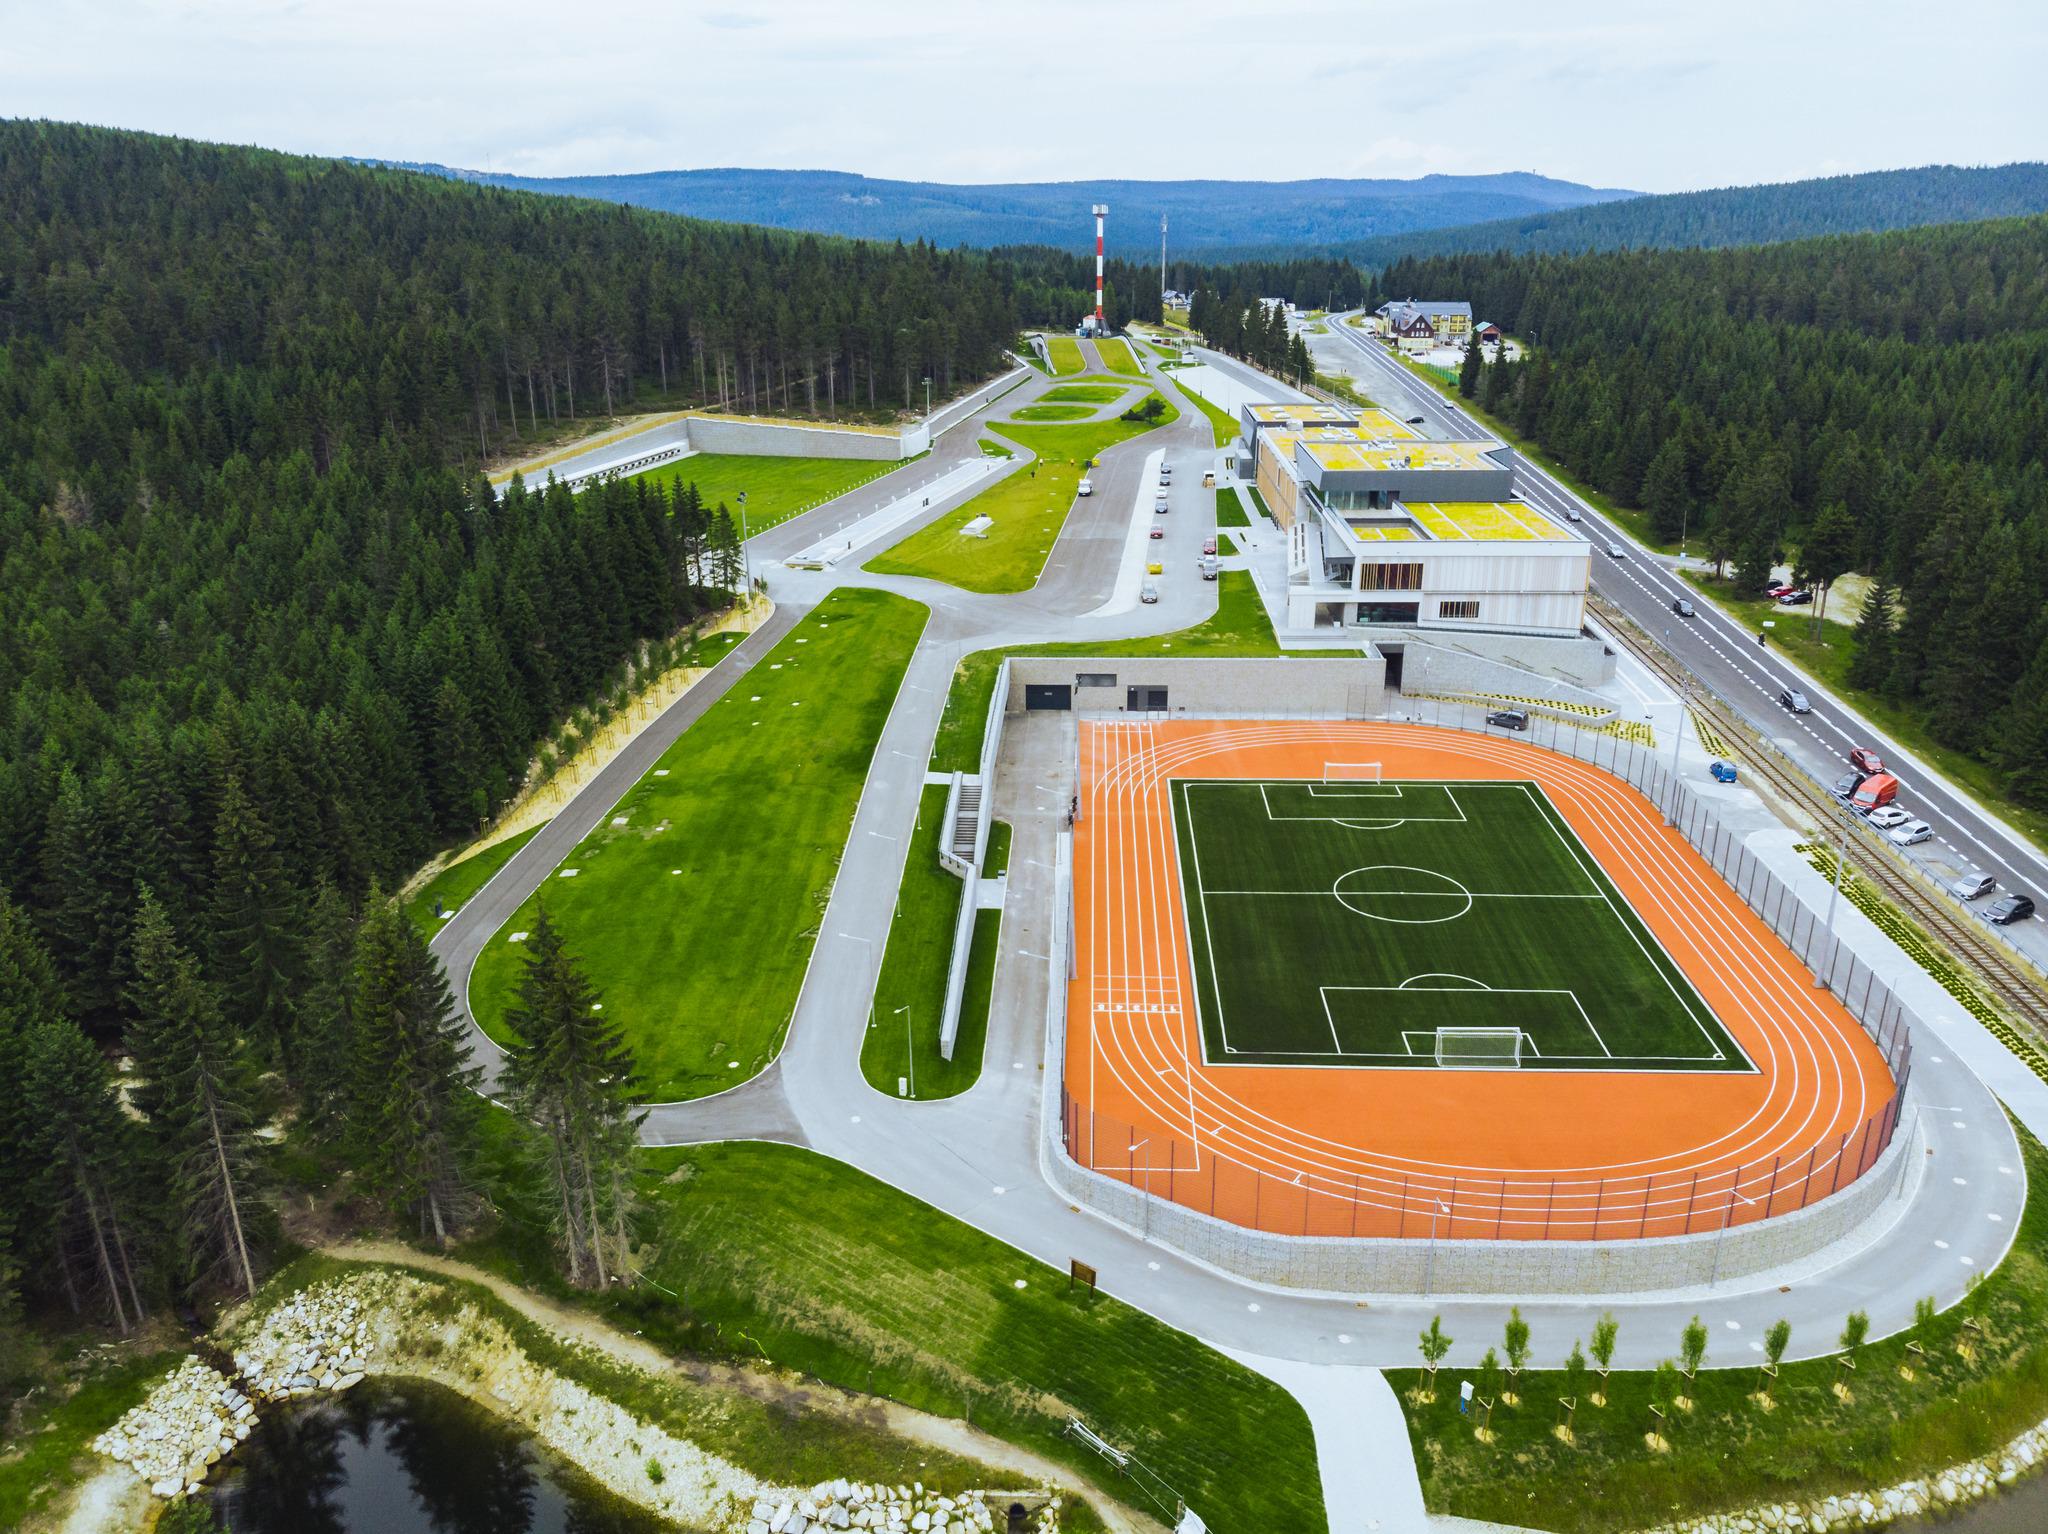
column 1203, row 215
column 1739, row 215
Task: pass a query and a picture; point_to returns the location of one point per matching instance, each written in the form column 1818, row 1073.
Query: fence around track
column 1393, row 1232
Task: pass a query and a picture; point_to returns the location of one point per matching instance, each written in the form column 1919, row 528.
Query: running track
column 1344, row 1150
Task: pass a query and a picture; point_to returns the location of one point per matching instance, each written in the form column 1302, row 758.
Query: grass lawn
column 1223, row 427
column 1051, row 413
column 49, row 1442
column 995, row 860
column 1976, row 1386
column 898, row 1051
column 697, row 917
column 1027, row 509
column 783, row 1253
column 454, row 884
column 1118, row 357
column 1225, row 544
column 1259, row 501
column 990, row 448
column 1083, row 393
column 1827, row 658
column 777, row 488
column 1230, row 510
column 1065, row 354
column 1239, row 627
column 1563, row 957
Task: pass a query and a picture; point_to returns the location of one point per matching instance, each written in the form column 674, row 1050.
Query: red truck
column 1875, row 792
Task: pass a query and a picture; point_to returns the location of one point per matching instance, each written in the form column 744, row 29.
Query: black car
column 1847, row 784
column 1795, row 599
column 1415, row 420
column 2007, row 909
column 1509, row 719
column 1683, row 608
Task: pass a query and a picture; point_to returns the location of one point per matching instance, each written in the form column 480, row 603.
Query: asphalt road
column 1725, row 657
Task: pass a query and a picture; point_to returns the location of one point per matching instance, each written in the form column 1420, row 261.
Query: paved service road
column 1727, row 659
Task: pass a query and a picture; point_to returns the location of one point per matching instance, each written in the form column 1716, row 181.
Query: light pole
column 909, row 1046
column 1145, row 1232
column 1727, row 1219
column 1677, row 735
column 1835, row 894
column 746, row 565
column 927, row 400
column 1429, row 1268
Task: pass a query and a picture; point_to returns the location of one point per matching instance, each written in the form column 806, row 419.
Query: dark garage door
column 1048, row 695
column 1144, row 700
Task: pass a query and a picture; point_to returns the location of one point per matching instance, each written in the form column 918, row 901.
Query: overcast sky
column 1657, row 95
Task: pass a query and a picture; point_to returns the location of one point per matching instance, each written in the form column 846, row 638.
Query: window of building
column 1388, row 612
column 1390, row 577
column 1468, row 609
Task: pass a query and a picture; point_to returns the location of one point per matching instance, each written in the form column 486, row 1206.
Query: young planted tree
column 1692, row 1351
column 1575, row 1372
column 573, row 1077
column 1776, row 1340
column 1855, row 1329
column 414, row 1113
column 1488, row 1383
column 1515, row 1343
column 1664, row 1388
column 1604, row 1332
column 1435, row 1344
column 195, row 1093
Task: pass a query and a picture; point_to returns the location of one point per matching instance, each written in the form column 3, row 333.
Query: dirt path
column 945, row 1433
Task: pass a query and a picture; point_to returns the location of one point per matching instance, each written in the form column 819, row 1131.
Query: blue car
column 1724, row 772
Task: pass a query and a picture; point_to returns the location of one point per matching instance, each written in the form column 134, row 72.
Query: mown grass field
column 696, row 918
column 1981, row 1380
column 1238, row 627
column 1027, row 511
column 1064, row 352
column 777, row 488
column 1118, row 357
column 1230, row 510
column 1082, row 394
column 1051, row 413
column 899, row 1054
column 785, row 1254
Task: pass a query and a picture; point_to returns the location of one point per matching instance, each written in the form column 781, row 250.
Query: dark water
column 407, row 1458
column 2021, row 1508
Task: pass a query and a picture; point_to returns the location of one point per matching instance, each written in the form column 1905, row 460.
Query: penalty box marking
column 1409, row 988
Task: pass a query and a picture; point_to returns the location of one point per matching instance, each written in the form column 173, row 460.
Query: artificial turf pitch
column 1342, row 923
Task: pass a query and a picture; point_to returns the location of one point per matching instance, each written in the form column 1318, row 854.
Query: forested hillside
column 266, row 639
column 1743, row 215
column 1876, row 403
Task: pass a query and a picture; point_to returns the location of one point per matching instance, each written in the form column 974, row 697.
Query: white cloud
column 1612, row 92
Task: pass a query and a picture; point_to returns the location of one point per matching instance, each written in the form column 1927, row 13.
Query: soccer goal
column 1351, row 772
column 1479, row 1049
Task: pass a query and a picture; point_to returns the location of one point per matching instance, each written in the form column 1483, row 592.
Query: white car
column 1149, row 592
column 1086, row 487
column 1891, row 815
column 1616, row 551
column 1911, row 832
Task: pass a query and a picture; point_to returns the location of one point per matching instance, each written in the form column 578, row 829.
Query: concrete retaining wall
column 1313, row 687
column 726, row 434
column 1502, row 663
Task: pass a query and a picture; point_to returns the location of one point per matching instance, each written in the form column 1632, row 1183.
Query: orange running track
column 1487, row 1154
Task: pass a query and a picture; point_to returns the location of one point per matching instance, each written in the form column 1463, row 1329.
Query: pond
column 2021, row 1508
column 406, row 1457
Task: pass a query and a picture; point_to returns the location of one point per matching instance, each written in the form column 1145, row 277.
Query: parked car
column 1209, row 567
column 1158, row 531
column 1415, row 420
column 1683, row 608
column 1509, row 719
column 1795, row 700
column 1209, row 481
column 1847, row 784
column 1086, row 487
column 2007, row 909
column 1795, row 599
column 1874, row 793
column 1209, row 545
column 1149, row 592
column 1155, row 568
column 1865, row 760
column 1724, row 772
column 1774, row 592
column 1911, row 833
column 1887, row 816
column 1160, row 505
column 1971, row 886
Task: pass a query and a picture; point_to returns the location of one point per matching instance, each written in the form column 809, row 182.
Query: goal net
column 1479, row 1049
column 1351, row 772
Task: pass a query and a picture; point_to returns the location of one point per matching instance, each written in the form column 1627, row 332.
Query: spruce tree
column 322, row 1053
column 30, row 996
column 1871, row 665
column 253, row 919
column 1469, row 371
column 195, row 1094
column 1667, row 491
column 573, row 1077
column 85, row 1189
column 414, row 1116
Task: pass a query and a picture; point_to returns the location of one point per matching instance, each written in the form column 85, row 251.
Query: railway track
column 2006, row 979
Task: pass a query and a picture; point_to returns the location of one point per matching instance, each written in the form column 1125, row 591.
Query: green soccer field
column 1344, row 923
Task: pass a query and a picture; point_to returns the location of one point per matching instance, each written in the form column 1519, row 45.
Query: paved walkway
column 976, row 1156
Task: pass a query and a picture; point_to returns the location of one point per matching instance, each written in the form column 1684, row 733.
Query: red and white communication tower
column 1101, row 213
